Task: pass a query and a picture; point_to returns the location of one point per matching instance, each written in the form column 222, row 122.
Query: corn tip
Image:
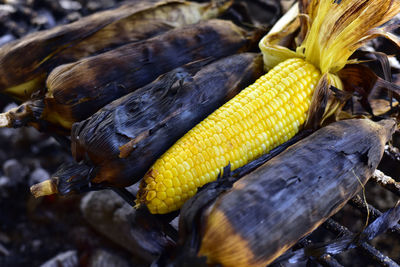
column 4, row 120
column 44, row 188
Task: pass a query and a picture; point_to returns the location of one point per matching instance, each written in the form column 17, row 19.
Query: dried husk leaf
column 381, row 106
column 340, row 27
column 362, row 80
column 327, row 99
column 337, row 29
column 330, row 33
column 271, row 45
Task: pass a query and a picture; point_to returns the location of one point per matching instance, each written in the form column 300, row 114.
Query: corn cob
column 23, row 72
column 119, row 143
column 272, row 110
column 262, row 116
column 79, row 89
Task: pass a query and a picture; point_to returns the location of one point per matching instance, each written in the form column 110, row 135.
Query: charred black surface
column 80, row 89
column 190, row 215
column 92, row 35
column 283, row 200
column 71, row 177
column 124, row 138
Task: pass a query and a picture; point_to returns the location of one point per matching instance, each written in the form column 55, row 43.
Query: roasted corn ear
column 270, row 209
column 118, row 144
column 262, row 116
column 25, row 63
column 295, row 91
column 79, row 89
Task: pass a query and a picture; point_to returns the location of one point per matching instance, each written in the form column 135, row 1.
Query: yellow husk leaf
column 341, row 27
column 332, row 30
column 273, row 52
column 335, row 30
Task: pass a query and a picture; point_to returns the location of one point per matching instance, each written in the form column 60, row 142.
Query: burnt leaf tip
column 4, row 121
column 44, row 188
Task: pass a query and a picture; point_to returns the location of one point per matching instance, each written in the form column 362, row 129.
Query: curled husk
column 331, row 31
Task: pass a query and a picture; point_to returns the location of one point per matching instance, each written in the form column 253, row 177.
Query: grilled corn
column 25, row 63
column 79, row 89
column 273, row 109
column 120, row 142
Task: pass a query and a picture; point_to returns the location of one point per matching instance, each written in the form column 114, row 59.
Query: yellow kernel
column 174, row 172
column 286, row 82
column 161, row 195
column 194, row 149
column 151, row 185
column 224, row 161
column 169, row 201
column 162, row 208
column 160, row 187
column 200, row 158
column 156, row 201
column 173, row 162
column 168, row 174
column 189, row 175
column 151, row 195
column 207, row 142
column 240, row 113
column 167, row 182
column 170, row 192
column 185, row 187
column 176, row 182
column 148, row 179
column 216, row 151
column 186, row 165
column 217, row 139
column 293, row 76
column 197, row 169
column 180, row 168
column 203, row 168
column 203, row 180
column 218, row 129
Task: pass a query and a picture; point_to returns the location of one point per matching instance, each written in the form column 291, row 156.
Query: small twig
column 392, row 152
column 4, row 251
column 386, row 181
column 325, row 260
column 366, row 248
column 361, row 205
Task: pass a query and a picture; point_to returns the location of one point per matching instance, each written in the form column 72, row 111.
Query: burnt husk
column 91, row 35
column 79, row 89
column 123, row 139
column 270, row 209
